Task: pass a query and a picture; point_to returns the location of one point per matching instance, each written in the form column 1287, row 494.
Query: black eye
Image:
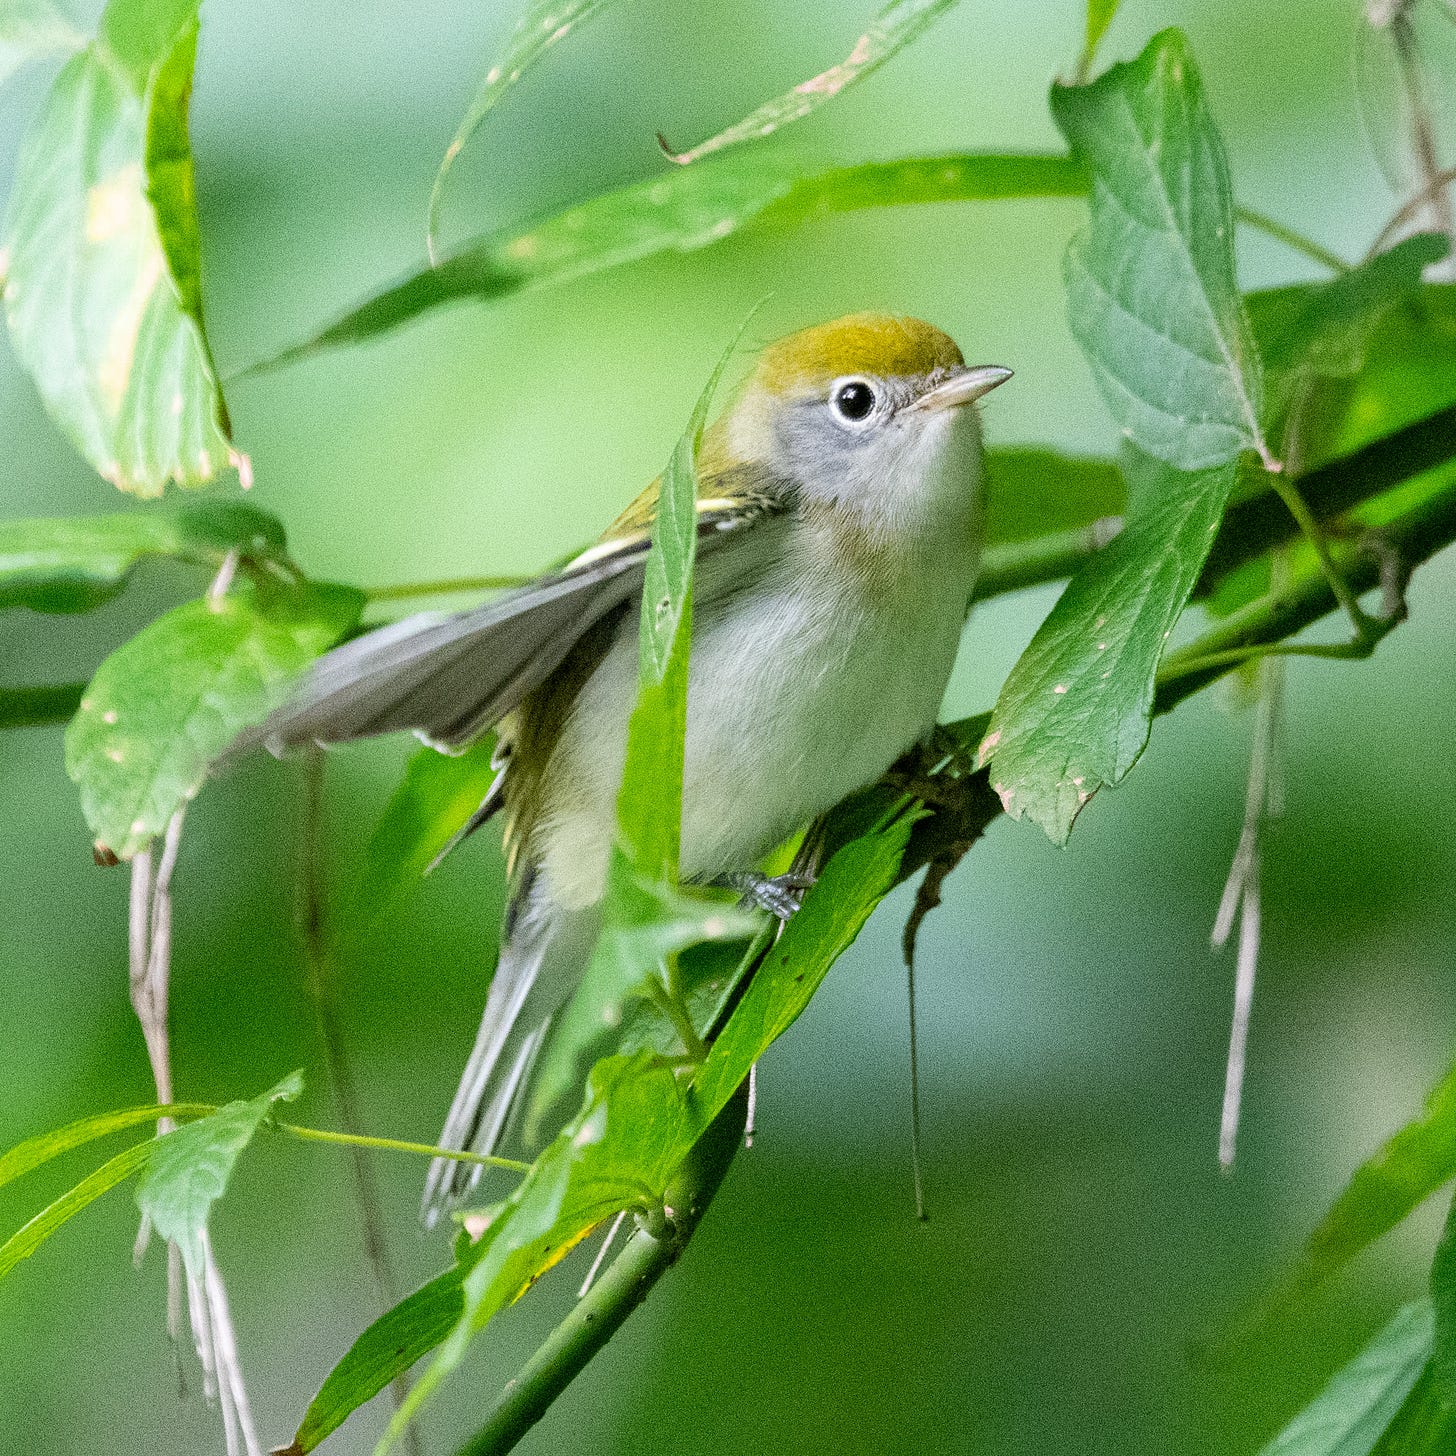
column 854, row 400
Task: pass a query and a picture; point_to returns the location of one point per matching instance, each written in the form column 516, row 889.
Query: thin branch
column 1291, row 238
column 395, row 1145
column 447, row 586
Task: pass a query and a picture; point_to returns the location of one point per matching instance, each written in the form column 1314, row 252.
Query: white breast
column 802, row 689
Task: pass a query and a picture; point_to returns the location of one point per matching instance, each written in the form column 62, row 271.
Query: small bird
column 839, row 524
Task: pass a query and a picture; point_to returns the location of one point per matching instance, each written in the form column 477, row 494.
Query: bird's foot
column 780, row 895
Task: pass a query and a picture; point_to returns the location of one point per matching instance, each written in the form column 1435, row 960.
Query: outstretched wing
column 449, row 678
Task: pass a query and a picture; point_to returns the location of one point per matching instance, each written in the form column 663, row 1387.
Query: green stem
column 395, row 1145
column 596, row 1317
column 1289, row 493
column 446, row 586
column 1292, row 239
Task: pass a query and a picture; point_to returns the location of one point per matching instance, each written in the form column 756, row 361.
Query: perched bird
column 839, row 511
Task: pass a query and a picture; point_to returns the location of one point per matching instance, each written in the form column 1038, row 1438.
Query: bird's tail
column 540, row 961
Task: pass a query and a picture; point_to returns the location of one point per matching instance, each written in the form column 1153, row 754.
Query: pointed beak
column 964, row 387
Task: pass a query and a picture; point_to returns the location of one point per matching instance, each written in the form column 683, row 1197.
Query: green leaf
column 1348, row 1416
column 414, row 1327
column 646, row 920
column 543, row 24
column 190, row 1167
column 1410, row 1167
column 639, row 1121
column 164, row 705
column 1075, row 711
column 1099, row 17
column 1311, row 330
column 1443, row 1303
column 1151, row 292
column 31, row 30
column 899, row 23
column 102, row 296
column 834, row 912
column 74, row 563
column 1425, row 1425
column 437, row 795
column 23, row 1243
column 36, row 1151
column 36, row 706
column 1031, row 492
column 684, row 210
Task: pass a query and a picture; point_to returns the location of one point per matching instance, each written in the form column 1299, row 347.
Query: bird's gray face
column 892, row 449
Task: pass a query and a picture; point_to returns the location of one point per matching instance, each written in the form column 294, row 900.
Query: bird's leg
column 780, row 895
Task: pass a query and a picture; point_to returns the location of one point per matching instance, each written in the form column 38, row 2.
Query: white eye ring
column 854, row 401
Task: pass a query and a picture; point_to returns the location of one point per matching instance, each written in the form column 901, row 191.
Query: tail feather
column 539, row 963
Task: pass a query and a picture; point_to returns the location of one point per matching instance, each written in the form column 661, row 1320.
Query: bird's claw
column 779, row 895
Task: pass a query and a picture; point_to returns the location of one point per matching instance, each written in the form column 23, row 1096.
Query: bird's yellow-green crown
column 860, row 343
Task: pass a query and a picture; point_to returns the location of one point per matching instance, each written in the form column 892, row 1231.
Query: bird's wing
column 449, row 678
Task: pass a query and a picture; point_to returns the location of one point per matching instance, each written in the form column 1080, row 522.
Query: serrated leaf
column 1074, row 713
column 74, row 563
column 1348, row 1416
column 639, row 1122
column 190, row 1167
column 543, row 24
column 437, row 795
column 1387, row 1187
column 1151, row 291
column 25, row 1241
column 895, row 27
column 1324, row 330
column 414, row 1327
column 684, row 210
column 102, row 252
column 164, row 705
column 37, row 1151
column 31, row 30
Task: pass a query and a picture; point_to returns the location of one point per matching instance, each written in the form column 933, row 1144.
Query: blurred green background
column 1084, row 1281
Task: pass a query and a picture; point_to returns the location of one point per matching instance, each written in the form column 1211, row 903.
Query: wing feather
column 449, row 678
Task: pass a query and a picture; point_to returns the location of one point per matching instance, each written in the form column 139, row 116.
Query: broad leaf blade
column 25, row 1241
column 895, row 27
column 37, row 1151
column 1310, row 330
column 437, row 795
column 190, row 1167
column 1075, row 711
column 543, row 24
column 1388, row 1186
column 688, row 209
column 31, row 30
column 74, row 563
column 1350, row 1413
column 399, row 1337
column 163, row 706
column 1151, row 291
column 101, row 298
